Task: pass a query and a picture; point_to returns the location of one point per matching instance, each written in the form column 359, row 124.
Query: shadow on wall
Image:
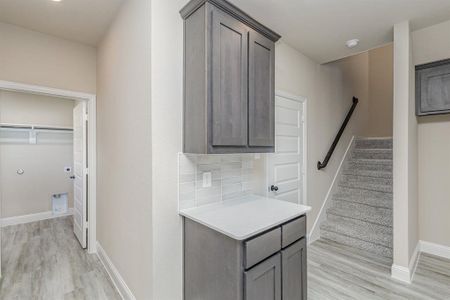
column 434, row 119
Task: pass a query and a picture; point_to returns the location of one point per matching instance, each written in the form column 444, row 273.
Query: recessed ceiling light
column 56, row 0
column 352, row 43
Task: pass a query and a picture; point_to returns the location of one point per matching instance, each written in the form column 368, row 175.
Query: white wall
column 167, row 92
column 405, row 206
column 124, row 180
column 329, row 89
column 329, row 101
column 432, row 44
column 43, row 163
column 35, row 58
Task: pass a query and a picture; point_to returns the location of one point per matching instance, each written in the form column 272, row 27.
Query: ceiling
column 319, row 28
column 82, row 21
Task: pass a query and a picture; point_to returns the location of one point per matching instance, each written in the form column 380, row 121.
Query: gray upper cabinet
column 433, row 88
column 229, row 80
column 261, row 101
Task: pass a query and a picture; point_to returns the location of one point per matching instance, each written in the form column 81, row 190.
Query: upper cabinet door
column 229, row 80
column 261, row 91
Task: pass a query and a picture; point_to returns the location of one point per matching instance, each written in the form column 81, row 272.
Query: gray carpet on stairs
column 360, row 214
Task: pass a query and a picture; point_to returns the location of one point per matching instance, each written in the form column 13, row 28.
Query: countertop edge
column 244, row 237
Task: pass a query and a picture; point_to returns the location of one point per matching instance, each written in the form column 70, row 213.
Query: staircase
column 360, row 214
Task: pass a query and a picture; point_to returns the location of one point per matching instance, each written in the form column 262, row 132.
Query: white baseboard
column 435, row 249
column 401, row 273
column 114, row 274
column 407, row 274
column 315, row 230
column 33, row 218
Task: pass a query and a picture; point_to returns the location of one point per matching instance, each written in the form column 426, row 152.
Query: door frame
column 90, row 100
column 304, row 101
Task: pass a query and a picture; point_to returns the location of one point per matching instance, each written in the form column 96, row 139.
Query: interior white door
column 286, row 167
column 80, row 172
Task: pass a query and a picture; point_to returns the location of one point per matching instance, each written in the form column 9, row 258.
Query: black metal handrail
column 321, row 165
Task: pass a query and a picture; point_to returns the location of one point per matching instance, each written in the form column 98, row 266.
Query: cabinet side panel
column 194, row 115
column 212, row 264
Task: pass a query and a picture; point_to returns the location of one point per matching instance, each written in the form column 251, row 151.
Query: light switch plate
column 207, row 179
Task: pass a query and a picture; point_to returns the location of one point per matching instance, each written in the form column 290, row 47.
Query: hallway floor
column 339, row 272
column 43, row 260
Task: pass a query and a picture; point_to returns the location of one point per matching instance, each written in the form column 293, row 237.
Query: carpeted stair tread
column 384, row 143
column 358, row 211
column 368, row 232
column 372, row 154
column 357, row 243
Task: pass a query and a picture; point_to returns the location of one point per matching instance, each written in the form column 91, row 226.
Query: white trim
column 315, row 230
column 114, row 274
column 304, row 101
column 406, row 274
column 435, row 249
column 401, row 273
column 33, row 218
column 91, row 100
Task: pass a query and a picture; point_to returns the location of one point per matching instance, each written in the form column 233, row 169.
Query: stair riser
column 359, row 193
column 374, row 202
column 369, row 154
column 359, row 244
column 368, row 187
column 385, row 165
column 366, row 179
column 368, row 173
column 369, row 232
column 376, row 215
column 373, row 144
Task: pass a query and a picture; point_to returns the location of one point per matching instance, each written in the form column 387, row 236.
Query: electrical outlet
column 207, row 179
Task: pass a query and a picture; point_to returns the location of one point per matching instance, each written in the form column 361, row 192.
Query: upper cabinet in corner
column 229, row 78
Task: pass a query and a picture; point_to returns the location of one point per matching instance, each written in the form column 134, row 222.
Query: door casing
column 90, row 100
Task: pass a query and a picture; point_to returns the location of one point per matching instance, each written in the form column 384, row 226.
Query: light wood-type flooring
column 43, row 260
column 340, row 272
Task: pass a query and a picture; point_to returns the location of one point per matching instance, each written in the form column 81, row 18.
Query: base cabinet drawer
column 263, row 282
column 293, row 260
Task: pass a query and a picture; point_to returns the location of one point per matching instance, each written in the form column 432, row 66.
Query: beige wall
column 405, row 206
column 432, row 44
column 124, row 200
column 43, row 163
column 381, row 91
column 35, row 58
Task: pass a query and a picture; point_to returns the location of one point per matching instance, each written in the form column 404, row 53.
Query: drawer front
column 261, row 247
column 293, row 231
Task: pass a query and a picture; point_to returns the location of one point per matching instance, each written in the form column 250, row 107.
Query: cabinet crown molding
column 234, row 11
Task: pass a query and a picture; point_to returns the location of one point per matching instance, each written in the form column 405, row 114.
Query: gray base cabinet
column 294, row 266
column 229, row 79
column 217, row 267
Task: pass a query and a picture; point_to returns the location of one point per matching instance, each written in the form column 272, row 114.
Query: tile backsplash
column 232, row 176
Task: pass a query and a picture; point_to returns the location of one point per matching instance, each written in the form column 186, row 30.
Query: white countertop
column 243, row 218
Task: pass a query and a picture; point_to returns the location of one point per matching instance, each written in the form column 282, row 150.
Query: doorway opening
column 67, row 145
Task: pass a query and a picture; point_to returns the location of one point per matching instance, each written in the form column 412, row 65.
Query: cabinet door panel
column 229, row 83
column 294, row 271
column 263, row 282
column 261, row 90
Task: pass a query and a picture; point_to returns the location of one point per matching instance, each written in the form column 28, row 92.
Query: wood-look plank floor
column 43, row 260
column 339, row 272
